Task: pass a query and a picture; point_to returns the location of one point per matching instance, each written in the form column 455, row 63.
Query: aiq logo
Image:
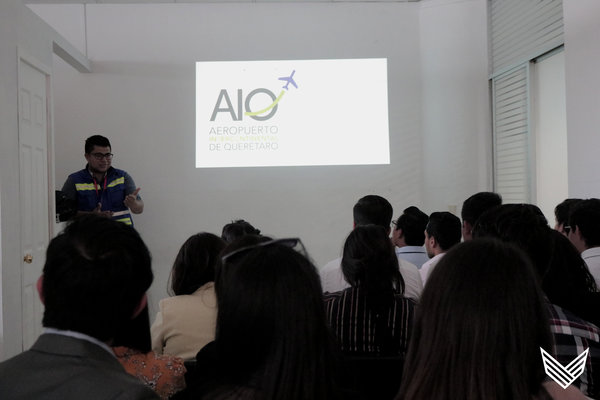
column 564, row 376
column 259, row 115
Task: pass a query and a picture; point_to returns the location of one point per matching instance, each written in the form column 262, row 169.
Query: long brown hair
column 195, row 263
column 479, row 328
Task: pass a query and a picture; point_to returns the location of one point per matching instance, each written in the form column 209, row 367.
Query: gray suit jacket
column 62, row 368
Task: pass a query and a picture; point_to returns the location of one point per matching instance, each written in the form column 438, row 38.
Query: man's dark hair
column 510, row 222
column 445, row 228
column 475, row 205
column 373, row 209
column 562, row 211
column 135, row 333
column 96, row 140
column 96, row 272
column 564, row 276
column 413, row 222
column 585, row 215
column 237, row 229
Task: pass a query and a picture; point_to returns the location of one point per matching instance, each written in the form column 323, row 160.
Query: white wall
column 582, row 76
column 456, row 127
column 141, row 95
column 549, row 124
column 9, row 184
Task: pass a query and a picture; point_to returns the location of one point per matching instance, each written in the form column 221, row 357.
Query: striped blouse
column 356, row 327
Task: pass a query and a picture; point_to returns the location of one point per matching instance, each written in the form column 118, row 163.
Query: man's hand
column 98, row 210
column 131, row 201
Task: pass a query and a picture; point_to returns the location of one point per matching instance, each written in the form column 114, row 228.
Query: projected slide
column 291, row 113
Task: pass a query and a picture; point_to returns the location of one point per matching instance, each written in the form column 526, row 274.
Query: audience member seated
column 236, row 229
column 186, row 321
column 442, row 232
column 561, row 214
column 584, row 233
column 373, row 210
column 94, row 280
column 162, row 373
column 374, row 301
column 568, row 285
column 272, row 339
column 409, row 236
column 479, row 329
column 473, row 207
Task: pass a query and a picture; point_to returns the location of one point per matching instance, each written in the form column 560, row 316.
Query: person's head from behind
column 95, row 277
column 369, row 262
column 409, row 228
column 474, row 206
column 564, row 276
column 566, row 279
column 135, row 333
column 523, row 225
column 271, row 327
column 229, row 254
column 195, row 263
column 237, row 229
column 511, row 223
column 584, row 222
column 561, row 214
column 373, row 209
column 442, row 232
column 469, row 342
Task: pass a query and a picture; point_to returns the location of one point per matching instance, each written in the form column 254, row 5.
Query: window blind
column 523, row 30
column 512, row 170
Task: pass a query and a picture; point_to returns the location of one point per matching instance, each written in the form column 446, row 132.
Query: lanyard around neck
column 96, row 186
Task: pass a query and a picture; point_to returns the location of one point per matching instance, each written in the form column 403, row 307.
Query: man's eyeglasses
column 294, row 243
column 567, row 229
column 100, row 156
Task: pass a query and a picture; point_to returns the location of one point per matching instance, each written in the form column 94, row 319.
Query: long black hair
column 272, row 334
column 369, row 262
column 479, row 328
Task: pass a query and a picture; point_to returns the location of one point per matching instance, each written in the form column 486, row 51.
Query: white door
column 34, row 192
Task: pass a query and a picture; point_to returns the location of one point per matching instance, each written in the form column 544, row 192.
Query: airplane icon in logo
column 288, row 80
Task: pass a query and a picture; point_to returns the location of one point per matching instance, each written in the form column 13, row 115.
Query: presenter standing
column 100, row 188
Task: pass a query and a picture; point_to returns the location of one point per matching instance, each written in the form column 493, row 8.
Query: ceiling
column 202, row 1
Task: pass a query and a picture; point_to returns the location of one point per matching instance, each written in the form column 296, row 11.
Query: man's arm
column 133, row 200
column 69, row 190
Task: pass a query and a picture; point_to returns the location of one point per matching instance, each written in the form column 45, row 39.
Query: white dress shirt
column 592, row 259
column 332, row 278
column 429, row 266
